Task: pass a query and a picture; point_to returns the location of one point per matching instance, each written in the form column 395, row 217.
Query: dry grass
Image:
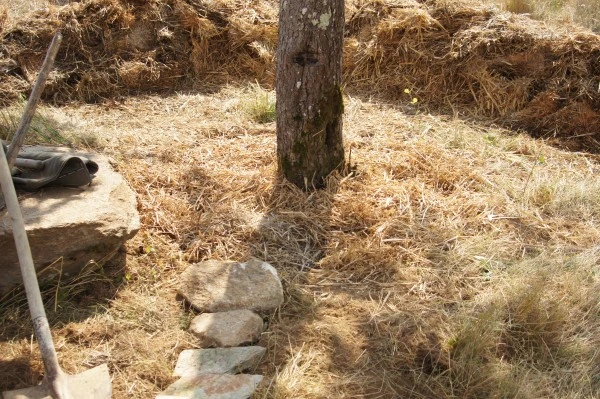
column 456, row 261
column 259, row 104
column 583, row 12
column 463, row 57
column 16, row 9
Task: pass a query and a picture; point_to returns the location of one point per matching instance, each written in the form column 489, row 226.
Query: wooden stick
column 32, row 289
column 34, row 98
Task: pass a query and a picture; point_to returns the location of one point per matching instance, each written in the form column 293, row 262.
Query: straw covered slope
column 451, row 55
column 479, row 60
column 114, row 47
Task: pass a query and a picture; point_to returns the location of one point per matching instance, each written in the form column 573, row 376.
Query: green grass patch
column 46, row 128
column 259, row 104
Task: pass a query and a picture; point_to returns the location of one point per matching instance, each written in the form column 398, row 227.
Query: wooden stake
column 34, row 98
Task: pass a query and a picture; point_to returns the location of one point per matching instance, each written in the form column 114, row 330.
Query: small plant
column 490, row 139
column 413, row 99
column 542, row 195
column 260, row 104
column 45, row 128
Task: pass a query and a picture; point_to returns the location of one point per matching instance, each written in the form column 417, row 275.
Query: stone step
column 193, row 362
column 70, row 227
column 227, row 329
column 220, row 286
column 212, row 386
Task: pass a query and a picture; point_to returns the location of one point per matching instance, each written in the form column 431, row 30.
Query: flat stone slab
column 69, row 227
column 220, row 286
column 213, row 386
column 193, row 362
column 225, row 329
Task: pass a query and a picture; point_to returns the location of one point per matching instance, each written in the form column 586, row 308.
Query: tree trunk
column 309, row 96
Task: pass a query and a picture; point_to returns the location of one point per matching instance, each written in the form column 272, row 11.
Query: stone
column 220, row 286
column 212, row 386
column 218, row 361
column 69, row 227
column 225, row 329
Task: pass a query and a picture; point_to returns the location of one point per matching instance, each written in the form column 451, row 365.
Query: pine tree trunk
column 309, row 97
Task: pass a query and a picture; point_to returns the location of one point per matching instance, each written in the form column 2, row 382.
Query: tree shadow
column 290, row 235
column 291, row 232
column 294, row 235
column 72, row 300
column 328, row 327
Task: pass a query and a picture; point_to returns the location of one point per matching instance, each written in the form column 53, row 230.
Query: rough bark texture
column 309, row 97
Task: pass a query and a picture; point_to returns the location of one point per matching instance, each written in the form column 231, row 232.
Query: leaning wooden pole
column 32, row 102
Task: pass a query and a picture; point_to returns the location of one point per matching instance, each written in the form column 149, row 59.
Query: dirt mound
column 118, row 47
column 482, row 61
column 449, row 55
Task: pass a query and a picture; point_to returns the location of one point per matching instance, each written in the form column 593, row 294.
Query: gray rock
column 193, row 362
column 225, row 329
column 220, row 286
column 213, row 386
column 67, row 227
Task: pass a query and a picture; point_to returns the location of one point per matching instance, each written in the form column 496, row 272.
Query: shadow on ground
column 71, row 300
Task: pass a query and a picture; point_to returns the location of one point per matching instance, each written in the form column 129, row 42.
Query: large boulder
column 69, row 227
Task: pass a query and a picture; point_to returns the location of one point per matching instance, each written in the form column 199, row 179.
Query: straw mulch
column 477, row 60
column 451, row 55
column 115, row 47
column 454, row 262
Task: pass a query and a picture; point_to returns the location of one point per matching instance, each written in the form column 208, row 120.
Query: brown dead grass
column 583, row 12
column 457, row 56
column 455, row 261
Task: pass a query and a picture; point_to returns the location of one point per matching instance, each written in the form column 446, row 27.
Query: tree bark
column 309, row 96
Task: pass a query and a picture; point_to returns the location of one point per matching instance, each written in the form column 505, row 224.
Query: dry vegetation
column 583, row 12
column 455, row 260
column 458, row 57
